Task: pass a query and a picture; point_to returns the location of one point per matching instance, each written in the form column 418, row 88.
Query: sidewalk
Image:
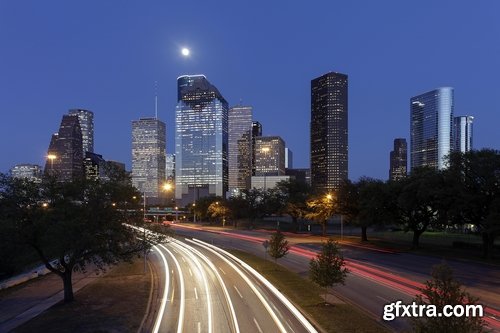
column 24, row 302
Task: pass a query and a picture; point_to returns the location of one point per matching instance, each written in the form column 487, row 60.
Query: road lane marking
column 204, row 278
column 263, row 280
column 250, row 284
column 165, row 293
column 180, row 323
column 221, row 282
column 190, row 273
column 183, row 259
column 175, row 251
column 257, row 324
column 199, row 327
column 195, row 293
column 241, row 296
column 222, row 270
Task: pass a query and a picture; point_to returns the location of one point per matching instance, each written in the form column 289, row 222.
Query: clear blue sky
column 106, row 55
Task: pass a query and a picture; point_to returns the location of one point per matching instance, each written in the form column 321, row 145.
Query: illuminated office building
column 269, row 156
column 431, row 116
column 329, row 140
column 86, row 119
column 148, row 157
column 65, row 154
column 201, row 140
column 256, row 132
column 398, row 160
column 462, row 133
column 240, row 148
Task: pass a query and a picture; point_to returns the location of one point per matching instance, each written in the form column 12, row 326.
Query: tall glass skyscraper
column 201, row 140
column 431, row 116
column 329, row 140
column 148, row 157
column 240, row 148
column 86, row 119
column 462, row 133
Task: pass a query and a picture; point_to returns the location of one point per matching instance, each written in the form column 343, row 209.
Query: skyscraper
column 431, row 116
column 65, row 154
column 148, row 157
column 170, row 167
column 86, row 119
column 329, row 140
column 462, row 133
column 201, row 140
column 256, row 132
column 269, row 156
column 240, row 148
column 398, row 160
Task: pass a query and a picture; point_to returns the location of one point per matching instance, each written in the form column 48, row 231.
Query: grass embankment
column 115, row 302
column 307, row 295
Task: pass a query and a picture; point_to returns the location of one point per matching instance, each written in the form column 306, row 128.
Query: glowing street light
column 51, row 158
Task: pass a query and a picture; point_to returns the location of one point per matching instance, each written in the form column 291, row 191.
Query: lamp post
column 176, row 213
column 194, row 213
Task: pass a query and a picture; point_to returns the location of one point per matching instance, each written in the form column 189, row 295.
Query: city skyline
column 111, row 69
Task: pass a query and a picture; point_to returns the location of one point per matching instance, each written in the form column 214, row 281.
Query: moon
column 185, row 51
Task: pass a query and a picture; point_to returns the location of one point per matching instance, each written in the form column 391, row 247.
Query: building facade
column 329, row 136
column 94, row 166
column 431, row 116
column 148, row 158
column 267, row 182
column 201, row 140
column 462, row 133
column 65, row 154
column 240, row 148
column 170, row 167
column 32, row 172
column 269, row 156
column 86, row 119
column 398, row 160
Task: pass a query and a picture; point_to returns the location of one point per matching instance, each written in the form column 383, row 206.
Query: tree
column 475, row 199
column 201, row 206
column 328, row 268
column 294, row 195
column 219, row 209
column 421, row 201
column 278, row 246
column 73, row 225
column 322, row 208
column 443, row 290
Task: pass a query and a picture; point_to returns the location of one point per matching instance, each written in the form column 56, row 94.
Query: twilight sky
column 106, row 55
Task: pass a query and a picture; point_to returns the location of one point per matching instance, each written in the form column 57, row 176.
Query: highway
column 206, row 289
column 368, row 286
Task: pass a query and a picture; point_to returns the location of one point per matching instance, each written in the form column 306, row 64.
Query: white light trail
column 204, row 279
column 156, row 327
column 262, row 279
column 183, row 295
column 219, row 278
column 247, row 280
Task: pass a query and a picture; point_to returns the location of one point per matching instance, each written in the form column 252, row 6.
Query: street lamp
column 51, row 158
column 176, row 213
column 194, row 213
column 329, row 197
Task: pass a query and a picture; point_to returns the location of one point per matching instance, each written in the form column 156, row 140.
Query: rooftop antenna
column 156, row 99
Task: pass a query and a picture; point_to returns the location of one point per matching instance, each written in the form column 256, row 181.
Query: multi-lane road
column 368, row 286
column 206, row 289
